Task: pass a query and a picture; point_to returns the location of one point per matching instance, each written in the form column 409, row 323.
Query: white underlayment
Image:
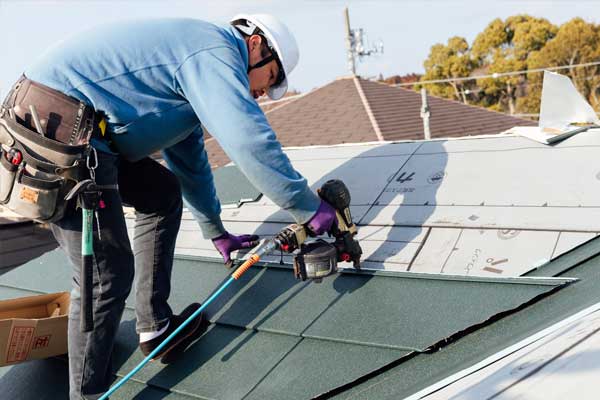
column 493, row 206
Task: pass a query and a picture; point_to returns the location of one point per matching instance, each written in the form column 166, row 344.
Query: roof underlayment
column 466, row 207
column 461, row 239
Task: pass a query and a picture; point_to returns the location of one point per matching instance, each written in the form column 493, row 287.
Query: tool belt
column 44, row 149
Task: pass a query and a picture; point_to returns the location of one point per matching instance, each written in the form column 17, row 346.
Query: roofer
column 149, row 86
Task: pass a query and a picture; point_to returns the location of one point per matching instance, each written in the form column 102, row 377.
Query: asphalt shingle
column 267, row 323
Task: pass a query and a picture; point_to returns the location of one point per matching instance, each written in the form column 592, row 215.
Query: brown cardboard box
column 33, row 327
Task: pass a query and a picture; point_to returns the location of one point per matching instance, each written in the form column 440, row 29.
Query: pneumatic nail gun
column 317, row 259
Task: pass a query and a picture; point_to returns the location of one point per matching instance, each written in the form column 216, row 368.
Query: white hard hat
column 278, row 37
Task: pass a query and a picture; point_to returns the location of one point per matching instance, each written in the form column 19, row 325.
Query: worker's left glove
column 323, row 220
column 228, row 243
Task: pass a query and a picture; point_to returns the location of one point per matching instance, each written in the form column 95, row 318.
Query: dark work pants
column 155, row 194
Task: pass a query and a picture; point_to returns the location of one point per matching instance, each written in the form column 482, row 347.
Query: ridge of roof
column 323, row 116
column 367, row 106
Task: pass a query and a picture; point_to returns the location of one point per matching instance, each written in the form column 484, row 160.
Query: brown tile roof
column 397, row 113
column 331, row 114
column 353, row 110
column 268, row 105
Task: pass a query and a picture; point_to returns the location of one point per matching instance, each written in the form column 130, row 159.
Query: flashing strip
column 363, row 98
column 501, row 354
column 520, row 280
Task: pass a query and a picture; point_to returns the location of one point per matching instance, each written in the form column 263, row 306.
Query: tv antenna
column 356, row 47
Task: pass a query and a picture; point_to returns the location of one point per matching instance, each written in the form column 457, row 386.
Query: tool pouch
column 37, row 172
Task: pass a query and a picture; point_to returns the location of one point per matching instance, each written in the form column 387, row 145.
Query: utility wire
column 498, row 74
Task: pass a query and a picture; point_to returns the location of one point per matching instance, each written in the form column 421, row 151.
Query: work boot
column 180, row 342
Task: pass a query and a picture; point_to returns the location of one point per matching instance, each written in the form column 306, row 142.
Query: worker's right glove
column 323, row 220
column 228, row 243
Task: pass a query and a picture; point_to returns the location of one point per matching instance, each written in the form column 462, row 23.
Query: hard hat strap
column 265, row 61
column 261, row 63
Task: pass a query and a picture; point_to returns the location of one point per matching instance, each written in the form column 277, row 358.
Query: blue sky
column 407, row 28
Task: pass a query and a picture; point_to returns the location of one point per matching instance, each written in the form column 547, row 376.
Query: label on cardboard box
column 19, row 344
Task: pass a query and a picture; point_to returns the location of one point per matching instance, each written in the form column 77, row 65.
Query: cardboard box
column 33, row 327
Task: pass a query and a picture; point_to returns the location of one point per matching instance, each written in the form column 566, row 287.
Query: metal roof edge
column 503, row 353
column 524, row 280
column 527, row 280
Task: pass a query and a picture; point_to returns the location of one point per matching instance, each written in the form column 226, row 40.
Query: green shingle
column 48, row 380
column 240, row 192
column 49, row 273
column 225, row 363
column 32, row 379
column 229, row 362
column 394, row 311
column 427, row 369
column 316, row 366
column 353, row 323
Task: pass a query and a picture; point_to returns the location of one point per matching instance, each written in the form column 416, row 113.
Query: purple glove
column 323, row 220
column 228, row 243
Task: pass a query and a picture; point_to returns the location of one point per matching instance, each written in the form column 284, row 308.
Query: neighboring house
column 356, row 110
column 481, row 277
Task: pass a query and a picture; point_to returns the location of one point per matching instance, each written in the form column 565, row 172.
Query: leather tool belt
column 44, row 149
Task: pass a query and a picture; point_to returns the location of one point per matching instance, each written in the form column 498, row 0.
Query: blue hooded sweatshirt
column 159, row 81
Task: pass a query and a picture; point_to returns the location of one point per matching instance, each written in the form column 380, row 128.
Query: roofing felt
column 273, row 336
column 469, row 206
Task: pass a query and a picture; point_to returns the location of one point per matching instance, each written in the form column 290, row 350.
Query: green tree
column 505, row 46
column 448, row 61
column 577, row 42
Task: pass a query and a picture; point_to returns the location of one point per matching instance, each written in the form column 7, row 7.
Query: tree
column 396, row 79
column 448, row 61
column 506, row 47
column 577, row 42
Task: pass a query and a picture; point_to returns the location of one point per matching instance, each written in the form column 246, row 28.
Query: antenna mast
column 355, row 46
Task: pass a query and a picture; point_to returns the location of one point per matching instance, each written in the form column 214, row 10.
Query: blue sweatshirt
column 159, row 81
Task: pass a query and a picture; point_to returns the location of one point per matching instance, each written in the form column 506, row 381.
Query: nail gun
column 317, row 259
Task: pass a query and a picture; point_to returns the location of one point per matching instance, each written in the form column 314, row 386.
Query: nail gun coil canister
column 315, row 261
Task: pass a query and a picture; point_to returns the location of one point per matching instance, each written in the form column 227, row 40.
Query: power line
column 498, row 74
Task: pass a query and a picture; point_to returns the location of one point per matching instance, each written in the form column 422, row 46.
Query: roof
column 356, row 110
column 432, row 217
column 16, row 250
column 274, row 337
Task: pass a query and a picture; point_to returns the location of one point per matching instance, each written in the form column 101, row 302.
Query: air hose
column 235, row 276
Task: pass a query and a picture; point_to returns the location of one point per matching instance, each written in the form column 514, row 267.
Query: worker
column 152, row 86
